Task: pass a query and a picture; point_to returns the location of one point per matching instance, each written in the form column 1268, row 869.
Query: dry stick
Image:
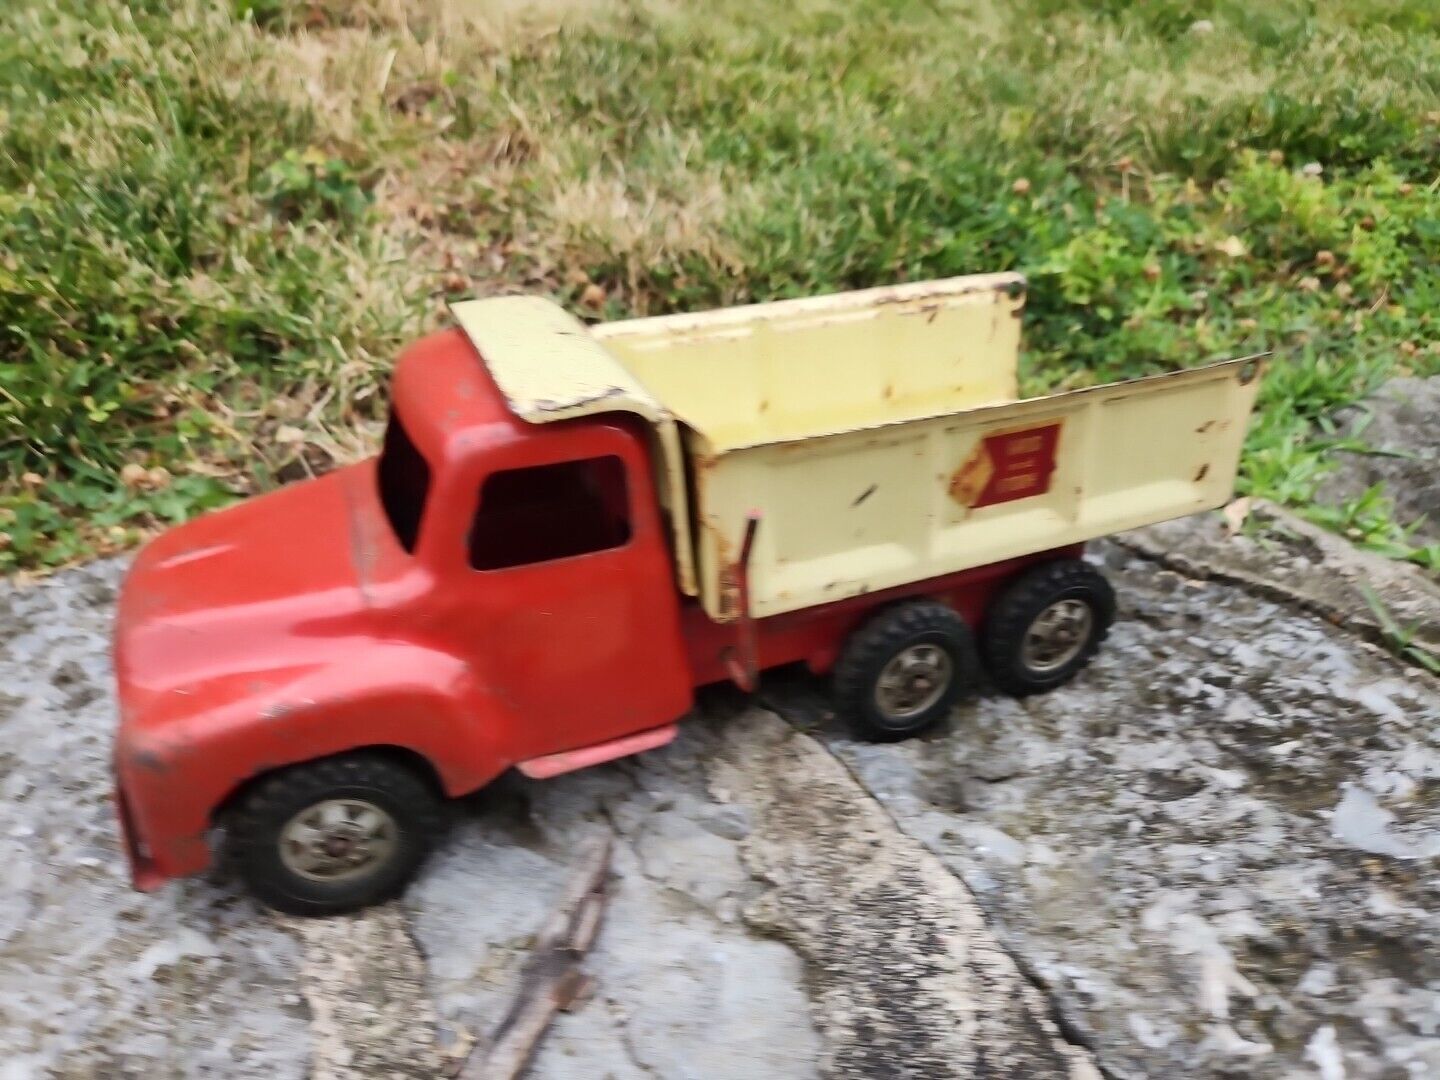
column 551, row 980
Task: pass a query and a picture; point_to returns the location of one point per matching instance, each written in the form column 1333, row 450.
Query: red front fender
column 175, row 769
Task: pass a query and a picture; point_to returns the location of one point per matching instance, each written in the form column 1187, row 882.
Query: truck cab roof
column 519, row 361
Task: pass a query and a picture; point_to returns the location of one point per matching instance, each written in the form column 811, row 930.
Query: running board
column 542, row 768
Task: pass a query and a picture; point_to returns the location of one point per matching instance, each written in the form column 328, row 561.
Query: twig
column 551, row 980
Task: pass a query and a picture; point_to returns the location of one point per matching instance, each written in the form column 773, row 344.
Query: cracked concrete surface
column 1216, row 849
column 1213, row 855
column 906, row 979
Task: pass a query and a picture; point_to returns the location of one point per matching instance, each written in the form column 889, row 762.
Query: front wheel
column 334, row 835
column 1046, row 626
column 902, row 671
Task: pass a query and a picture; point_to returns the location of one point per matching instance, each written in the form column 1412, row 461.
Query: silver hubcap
column 1057, row 635
column 913, row 680
column 337, row 839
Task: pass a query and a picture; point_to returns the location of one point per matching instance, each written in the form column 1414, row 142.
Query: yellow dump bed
column 875, row 433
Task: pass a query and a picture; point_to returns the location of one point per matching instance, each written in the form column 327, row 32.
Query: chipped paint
column 150, row 761
column 362, row 553
column 970, row 478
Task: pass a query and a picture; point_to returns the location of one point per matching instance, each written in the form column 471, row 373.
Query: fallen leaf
column 1235, row 515
column 1232, row 246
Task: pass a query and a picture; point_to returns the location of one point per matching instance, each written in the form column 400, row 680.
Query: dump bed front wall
column 801, row 368
column 868, row 510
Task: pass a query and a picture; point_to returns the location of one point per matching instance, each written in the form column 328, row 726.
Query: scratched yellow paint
column 855, row 425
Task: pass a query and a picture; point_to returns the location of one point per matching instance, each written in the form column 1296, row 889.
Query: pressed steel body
column 312, row 621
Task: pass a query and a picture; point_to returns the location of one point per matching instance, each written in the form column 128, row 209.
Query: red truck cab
column 484, row 593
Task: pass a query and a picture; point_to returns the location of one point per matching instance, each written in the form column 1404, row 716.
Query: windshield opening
column 404, row 477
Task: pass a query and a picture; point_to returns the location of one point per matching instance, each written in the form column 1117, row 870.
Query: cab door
column 568, row 599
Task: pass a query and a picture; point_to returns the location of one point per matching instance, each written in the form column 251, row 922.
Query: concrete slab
column 1213, row 855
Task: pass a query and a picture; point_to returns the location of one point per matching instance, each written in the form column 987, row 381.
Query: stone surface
column 908, row 981
column 97, row 980
column 1213, row 855
column 684, row 989
column 1399, row 425
column 1213, row 846
column 1303, row 565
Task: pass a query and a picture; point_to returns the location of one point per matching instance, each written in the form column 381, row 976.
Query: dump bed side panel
column 868, row 510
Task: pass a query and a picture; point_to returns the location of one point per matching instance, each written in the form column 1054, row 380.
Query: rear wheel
column 333, row 836
column 1046, row 626
column 902, row 671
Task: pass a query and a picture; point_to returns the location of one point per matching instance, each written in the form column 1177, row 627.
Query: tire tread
column 1011, row 614
column 869, row 647
column 248, row 825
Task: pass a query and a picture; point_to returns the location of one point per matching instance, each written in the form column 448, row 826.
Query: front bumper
column 144, row 875
column 163, row 822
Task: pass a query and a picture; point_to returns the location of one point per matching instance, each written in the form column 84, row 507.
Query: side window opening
column 546, row 512
column 404, row 480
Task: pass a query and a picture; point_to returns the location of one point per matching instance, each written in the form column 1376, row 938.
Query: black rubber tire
column 876, row 643
column 252, row 831
column 1011, row 614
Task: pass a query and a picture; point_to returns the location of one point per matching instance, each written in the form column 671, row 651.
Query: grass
column 220, row 220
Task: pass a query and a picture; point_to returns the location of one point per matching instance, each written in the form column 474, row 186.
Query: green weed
column 219, row 219
column 1400, row 640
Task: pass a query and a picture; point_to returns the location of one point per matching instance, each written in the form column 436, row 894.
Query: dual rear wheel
column 902, row 670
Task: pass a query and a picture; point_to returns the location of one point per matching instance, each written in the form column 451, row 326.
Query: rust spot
column 864, row 495
column 1206, row 426
column 888, row 392
column 934, row 311
column 1201, row 474
column 764, row 406
column 970, row 478
column 150, row 761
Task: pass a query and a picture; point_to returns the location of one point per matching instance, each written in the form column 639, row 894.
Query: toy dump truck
column 569, row 529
